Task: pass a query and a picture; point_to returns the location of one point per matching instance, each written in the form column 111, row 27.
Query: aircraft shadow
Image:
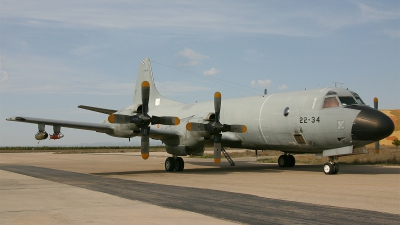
column 264, row 168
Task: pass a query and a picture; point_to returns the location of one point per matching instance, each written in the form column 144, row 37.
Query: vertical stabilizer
column 145, row 74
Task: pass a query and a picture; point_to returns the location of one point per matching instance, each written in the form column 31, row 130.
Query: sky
column 56, row 55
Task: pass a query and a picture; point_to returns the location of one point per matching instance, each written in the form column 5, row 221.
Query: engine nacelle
column 41, row 135
column 56, row 136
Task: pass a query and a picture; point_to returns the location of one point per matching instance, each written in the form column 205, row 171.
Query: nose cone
column 371, row 124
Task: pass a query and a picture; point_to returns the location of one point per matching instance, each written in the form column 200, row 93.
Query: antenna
column 341, row 84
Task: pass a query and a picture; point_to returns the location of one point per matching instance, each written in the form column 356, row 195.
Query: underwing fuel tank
column 56, row 136
column 41, row 135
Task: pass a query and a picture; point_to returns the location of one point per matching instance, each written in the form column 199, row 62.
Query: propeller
column 377, row 142
column 216, row 128
column 143, row 120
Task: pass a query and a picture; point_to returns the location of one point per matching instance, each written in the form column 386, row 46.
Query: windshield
column 358, row 98
column 347, row 100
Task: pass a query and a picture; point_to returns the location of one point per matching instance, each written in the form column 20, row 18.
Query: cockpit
column 341, row 98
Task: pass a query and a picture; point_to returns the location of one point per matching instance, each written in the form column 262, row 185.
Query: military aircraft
column 329, row 122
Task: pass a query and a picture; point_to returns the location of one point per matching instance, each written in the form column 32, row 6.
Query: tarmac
column 122, row 188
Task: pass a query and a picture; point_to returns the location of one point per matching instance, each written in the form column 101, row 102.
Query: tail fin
column 145, row 74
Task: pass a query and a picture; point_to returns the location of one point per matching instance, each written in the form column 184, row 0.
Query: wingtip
column 17, row 118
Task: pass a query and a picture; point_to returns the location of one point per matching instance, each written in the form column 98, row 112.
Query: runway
column 230, row 194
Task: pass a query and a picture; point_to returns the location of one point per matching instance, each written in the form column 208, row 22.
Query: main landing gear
column 174, row 164
column 331, row 167
column 286, row 160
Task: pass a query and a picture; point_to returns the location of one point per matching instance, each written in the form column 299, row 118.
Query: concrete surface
column 27, row 200
column 374, row 188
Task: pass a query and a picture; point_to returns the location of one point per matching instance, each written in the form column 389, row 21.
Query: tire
column 282, row 161
column 179, row 164
column 292, row 160
column 170, row 164
column 328, row 168
column 336, row 168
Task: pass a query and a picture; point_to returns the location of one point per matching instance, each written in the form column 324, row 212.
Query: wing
column 163, row 134
column 99, row 127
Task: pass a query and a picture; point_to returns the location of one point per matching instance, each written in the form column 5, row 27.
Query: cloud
column 3, row 73
column 371, row 14
column 196, row 17
column 84, row 50
column 252, row 55
column 177, row 88
column 261, row 83
column 4, row 77
column 194, row 57
column 283, row 87
column 211, row 72
column 392, row 33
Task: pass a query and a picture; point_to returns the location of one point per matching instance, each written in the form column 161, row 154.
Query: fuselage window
column 330, row 102
column 347, row 100
column 331, row 93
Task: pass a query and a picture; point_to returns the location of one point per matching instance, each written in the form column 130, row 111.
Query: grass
column 388, row 155
column 78, row 149
column 239, row 154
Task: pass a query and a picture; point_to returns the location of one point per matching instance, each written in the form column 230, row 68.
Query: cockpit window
column 331, row 93
column 347, row 100
column 330, row 102
column 358, row 98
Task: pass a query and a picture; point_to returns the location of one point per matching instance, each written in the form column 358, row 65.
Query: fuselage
column 306, row 121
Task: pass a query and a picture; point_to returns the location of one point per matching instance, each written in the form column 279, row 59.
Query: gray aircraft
column 330, row 122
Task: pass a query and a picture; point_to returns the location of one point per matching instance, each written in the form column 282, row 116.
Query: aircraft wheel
column 283, row 161
column 179, row 164
column 329, row 168
column 336, row 168
column 170, row 164
column 292, row 160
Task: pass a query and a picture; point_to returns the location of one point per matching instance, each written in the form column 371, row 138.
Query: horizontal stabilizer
column 100, row 110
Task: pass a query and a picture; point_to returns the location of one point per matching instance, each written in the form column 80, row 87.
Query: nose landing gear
column 331, row 167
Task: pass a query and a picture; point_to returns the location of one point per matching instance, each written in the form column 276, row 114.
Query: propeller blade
column 217, row 105
column 377, row 142
column 145, row 146
column 145, row 96
column 217, row 148
column 195, row 127
column 165, row 120
column 234, row 128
